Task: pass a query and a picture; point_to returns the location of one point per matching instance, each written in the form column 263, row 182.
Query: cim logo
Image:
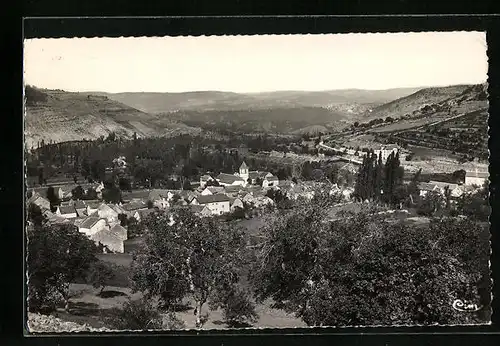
column 465, row 306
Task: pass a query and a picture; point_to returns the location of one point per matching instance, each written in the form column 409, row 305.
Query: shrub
column 137, row 315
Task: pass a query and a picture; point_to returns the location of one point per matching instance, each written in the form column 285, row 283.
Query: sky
column 257, row 63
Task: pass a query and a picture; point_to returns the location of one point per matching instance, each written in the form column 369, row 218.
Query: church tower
column 244, row 171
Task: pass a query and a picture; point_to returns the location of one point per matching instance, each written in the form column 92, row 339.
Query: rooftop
column 67, row 210
column 228, row 178
column 212, row 199
column 89, row 222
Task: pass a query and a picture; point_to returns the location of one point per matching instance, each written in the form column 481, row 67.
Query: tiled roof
column 215, row 189
column 232, row 188
column 272, row 178
column 67, row 210
column 134, row 205
column 442, row 185
column 228, row 178
column 158, row 194
column 197, row 208
column 89, row 222
column 426, row 186
column 212, row 199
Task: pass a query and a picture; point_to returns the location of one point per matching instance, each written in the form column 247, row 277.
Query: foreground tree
column 362, row 270
column 187, row 255
column 57, row 255
column 99, row 275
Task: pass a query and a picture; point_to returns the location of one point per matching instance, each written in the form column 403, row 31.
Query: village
column 213, row 196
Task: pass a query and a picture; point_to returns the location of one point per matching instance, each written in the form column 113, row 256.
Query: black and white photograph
column 183, row 183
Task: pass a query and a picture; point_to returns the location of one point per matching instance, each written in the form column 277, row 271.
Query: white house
column 236, row 203
column 161, row 198
column 91, row 225
column 217, row 204
column 67, row 212
column 476, row 178
column 270, row 181
column 110, row 240
column 106, row 212
column 38, row 200
column 92, row 206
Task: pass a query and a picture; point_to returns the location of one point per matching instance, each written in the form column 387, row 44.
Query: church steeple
column 244, row 171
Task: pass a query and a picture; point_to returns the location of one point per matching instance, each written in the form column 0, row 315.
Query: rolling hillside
column 58, row 116
column 227, row 101
column 411, row 103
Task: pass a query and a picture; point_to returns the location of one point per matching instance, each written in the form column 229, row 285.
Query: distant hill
column 410, row 103
column 56, row 115
column 274, row 120
column 216, row 100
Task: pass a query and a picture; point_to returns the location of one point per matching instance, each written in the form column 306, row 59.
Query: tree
column 187, row 185
column 475, row 205
column 124, row 184
column 186, row 254
column 123, row 220
column 306, row 170
column 53, row 198
column 57, row 255
column 150, row 204
column 237, row 308
column 35, row 215
column 362, row 270
column 91, row 194
column 112, row 194
column 430, row 203
column 100, row 275
column 77, row 193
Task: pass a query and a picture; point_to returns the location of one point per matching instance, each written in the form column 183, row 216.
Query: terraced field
column 67, row 116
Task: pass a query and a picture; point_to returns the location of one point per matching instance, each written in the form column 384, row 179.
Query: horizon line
column 259, row 92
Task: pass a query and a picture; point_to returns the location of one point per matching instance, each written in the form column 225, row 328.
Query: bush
column 137, row 315
column 237, row 308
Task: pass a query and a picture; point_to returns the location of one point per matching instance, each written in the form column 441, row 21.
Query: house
column 262, row 201
column 81, row 208
column 201, row 210
column 120, row 231
column 66, row 211
column 476, row 178
column 132, row 207
column 92, row 206
column 225, row 179
column 204, row 179
column 270, row 181
column 160, row 198
column 111, row 241
column 256, row 175
column 439, row 187
column 106, row 212
column 212, row 190
column 187, row 195
column 235, row 203
column 38, row 200
column 91, row 225
column 136, row 195
column 217, row 204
